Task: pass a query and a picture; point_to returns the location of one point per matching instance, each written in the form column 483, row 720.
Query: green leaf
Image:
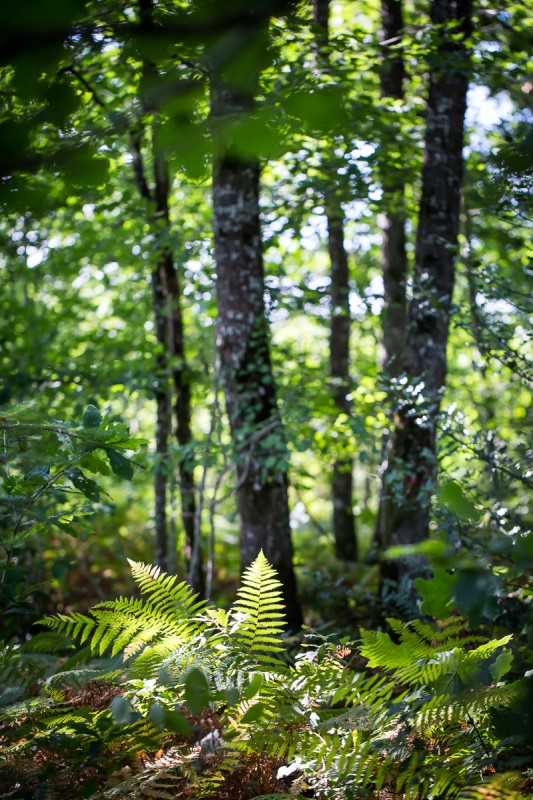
column 156, row 715
column 475, row 593
column 120, row 465
column 437, row 593
column 96, row 464
column 452, row 495
column 254, row 713
column 197, row 692
column 121, row 710
column 433, row 548
column 233, row 696
column 274, row 796
column 254, row 686
column 177, row 723
column 85, row 485
column 522, row 552
column 91, row 417
column 502, row 665
column 67, row 527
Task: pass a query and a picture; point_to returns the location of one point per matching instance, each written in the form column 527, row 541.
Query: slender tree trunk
column 163, row 416
column 170, row 336
column 163, row 423
column 342, row 481
column 393, row 251
column 344, row 528
column 180, row 376
column 246, row 370
column 413, row 450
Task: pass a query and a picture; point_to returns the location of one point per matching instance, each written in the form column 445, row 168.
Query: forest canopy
column 265, row 399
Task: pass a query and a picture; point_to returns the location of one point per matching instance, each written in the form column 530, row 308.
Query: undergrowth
column 183, row 700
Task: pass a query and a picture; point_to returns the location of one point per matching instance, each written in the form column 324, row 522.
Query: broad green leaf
column 121, row 710
column 120, row 465
column 85, row 485
column 502, row 665
column 176, row 722
column 91, row 417
column 156, row 715
column 254, row 686
column 452, row 495
column 254, row 713
column 437, row 593
column 197, row 692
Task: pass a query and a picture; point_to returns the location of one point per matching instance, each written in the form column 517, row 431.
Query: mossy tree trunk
column 246, row 371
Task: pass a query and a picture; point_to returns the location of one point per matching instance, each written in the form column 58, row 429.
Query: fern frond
column 497, row 787
column 129, row 625
column 163, row 590
column 258, row 612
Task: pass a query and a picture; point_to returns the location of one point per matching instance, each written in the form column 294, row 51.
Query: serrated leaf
column 96, row 464
column 85, row 485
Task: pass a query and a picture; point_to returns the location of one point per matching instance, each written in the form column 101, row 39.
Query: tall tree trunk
column 162, row 425
column 169, row 327
column 413, row 451
column 180, row 376
column 344, row 529
column 393, row 251
column 246, row 370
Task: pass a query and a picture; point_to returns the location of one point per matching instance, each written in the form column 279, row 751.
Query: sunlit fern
column 165, row 616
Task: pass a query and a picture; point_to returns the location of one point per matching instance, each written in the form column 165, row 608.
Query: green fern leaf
column 258, row 611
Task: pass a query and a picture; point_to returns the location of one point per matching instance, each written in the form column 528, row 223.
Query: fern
column 417, row 724
column 130, row 625
column 258, row 611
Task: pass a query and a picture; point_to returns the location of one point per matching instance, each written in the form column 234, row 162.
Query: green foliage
column 45, row 484
column 421, row 719
column 77, row 339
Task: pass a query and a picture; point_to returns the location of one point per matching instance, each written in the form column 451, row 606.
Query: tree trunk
column 411, row 469
column 180, row 377
column 344, row 528
column 162, row 425
column 246, row 370
column 342, row 481
column 169, row 329
column 394, row 253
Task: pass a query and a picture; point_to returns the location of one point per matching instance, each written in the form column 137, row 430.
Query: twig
column 312, row 519
column 195, row 555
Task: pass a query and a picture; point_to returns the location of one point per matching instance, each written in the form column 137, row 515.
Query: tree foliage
column 110, row 126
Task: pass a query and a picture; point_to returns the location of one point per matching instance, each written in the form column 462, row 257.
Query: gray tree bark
column 246, row 370
column 412, row 464
column 393, row 251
